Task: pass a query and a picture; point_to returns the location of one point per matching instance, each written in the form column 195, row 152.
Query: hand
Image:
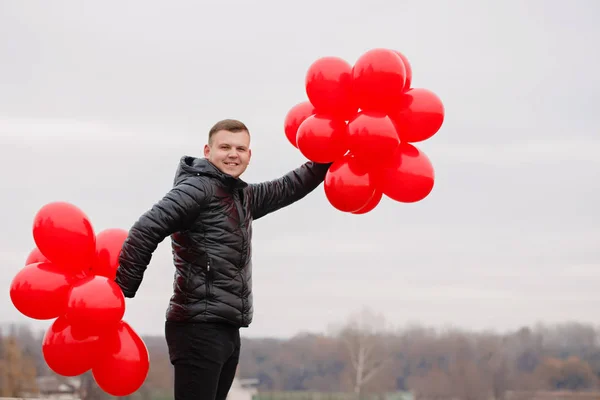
column 126, row 293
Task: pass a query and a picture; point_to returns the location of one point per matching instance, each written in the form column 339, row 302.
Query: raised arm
column 272, row 195
column 171, row 214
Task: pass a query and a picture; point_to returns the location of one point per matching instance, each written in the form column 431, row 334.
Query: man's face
column 229, row 152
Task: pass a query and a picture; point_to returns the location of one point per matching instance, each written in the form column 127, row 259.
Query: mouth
column 231, row 164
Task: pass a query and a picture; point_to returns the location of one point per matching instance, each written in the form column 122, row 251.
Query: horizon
column 388, row 328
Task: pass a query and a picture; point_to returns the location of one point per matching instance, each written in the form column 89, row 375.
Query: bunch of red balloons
column 363, row 118
column 69, row 277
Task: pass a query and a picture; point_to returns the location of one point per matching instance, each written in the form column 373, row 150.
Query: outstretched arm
column 271, row 196
column 181, row 205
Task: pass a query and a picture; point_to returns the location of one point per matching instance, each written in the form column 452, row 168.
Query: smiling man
column 208, row 214
column 228, row 147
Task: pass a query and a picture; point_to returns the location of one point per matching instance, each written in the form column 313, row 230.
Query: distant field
column 328, row 396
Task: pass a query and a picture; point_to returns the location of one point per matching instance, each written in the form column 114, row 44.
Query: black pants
column 205, row 357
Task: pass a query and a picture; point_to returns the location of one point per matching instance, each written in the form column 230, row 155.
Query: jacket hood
column 194, row 166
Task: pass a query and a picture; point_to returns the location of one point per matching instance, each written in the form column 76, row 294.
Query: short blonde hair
column 231, row 125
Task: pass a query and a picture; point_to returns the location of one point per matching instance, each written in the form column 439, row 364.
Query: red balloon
column 419, row 116
column 124, row 367
column 379, row 77
column 64, row 234
column 295, row 116
column 66, row 354
column 35, row 256
column 108, row 248
column 329, row 87
column 95, row 304
column 322, row 139
column 372, row 138
column 410, row 176
column 370, row 206
column 408, row 68
column 348, row 184
column 40, row 290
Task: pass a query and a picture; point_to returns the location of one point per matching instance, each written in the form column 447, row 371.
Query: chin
column 235, row 173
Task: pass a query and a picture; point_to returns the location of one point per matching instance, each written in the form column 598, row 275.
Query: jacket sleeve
column 182, row 204
column 273, row 195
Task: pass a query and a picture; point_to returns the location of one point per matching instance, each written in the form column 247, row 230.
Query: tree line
column 366, row 356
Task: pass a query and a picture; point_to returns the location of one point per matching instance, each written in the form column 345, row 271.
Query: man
column 208, row 214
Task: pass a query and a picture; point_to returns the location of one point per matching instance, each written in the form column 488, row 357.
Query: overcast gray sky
column 98, row 100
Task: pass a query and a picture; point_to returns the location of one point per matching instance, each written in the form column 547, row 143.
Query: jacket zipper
column 207, row 283
column 238, row 206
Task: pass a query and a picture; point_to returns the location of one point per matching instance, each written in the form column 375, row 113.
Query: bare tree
column 17, row 370
column 364, row 337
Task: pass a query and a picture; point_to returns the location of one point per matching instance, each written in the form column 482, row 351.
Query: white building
column 242, row 389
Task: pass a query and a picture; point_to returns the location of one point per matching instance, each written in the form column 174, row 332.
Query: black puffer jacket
column 209, row 215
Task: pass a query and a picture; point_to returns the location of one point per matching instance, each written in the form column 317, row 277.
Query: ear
column 206, row 150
